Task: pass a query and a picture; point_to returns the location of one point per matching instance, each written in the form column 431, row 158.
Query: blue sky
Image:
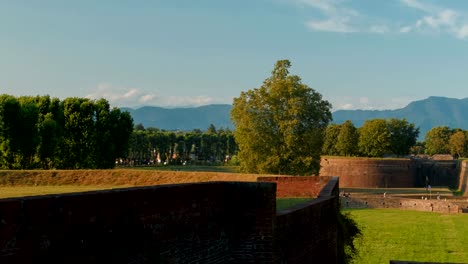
column 359, row 54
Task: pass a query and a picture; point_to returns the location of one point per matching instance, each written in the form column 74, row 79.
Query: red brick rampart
column 215, row 222
column 308, row 232
column 391, row 173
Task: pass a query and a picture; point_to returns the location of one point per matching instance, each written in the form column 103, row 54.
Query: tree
column 280, row 126
column 347, row 140
column 403, row 136
column 331, row 136
column 374, row 138
column 457, row 144
column 437, row 140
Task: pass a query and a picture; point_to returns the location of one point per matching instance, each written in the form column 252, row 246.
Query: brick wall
column 297, row 186
column 217, row 222
column 433, row 205
column 189, row 223
column 391, row 173
column 463, row 179
column 307, row 233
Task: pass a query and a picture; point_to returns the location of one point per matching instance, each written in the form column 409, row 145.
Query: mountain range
column 425, row 114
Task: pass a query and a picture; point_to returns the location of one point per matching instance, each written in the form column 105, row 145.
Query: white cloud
column 437, row 19
column 337, row 18
column 379, row 29
column 462, row 32
column 418, row 5
column 346, row 107
column 331, row 25
column 135, row 97
column 120, row 96
column 365, row 103
column 189, row 100
column 405, row 29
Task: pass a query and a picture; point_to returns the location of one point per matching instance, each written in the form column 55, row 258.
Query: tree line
column 155, row 146
column 443, row 140
column 47, row 133
column 377, row 137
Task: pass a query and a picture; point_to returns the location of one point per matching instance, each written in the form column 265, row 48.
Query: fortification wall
column 463, row 179
column 216, row 222
column 206, row 223
column 364, row 172
column 433, row 205
column 391, row 173
column 308, row 232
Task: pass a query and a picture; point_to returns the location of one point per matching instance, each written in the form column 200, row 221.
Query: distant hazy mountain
column 185, row 119
column 425, row 114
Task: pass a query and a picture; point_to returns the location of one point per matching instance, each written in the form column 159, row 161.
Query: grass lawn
column 412, row 236
column 201, row 168
column 285, row 203
column 19, row 191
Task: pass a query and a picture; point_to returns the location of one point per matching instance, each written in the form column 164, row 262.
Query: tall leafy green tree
column 28, row 131
column 374, row 138
column 331, row 137
column 10, row 126
column 403, row 136
column 347, row 140
column 280, row 126
column 458, row 144
column 437, row 140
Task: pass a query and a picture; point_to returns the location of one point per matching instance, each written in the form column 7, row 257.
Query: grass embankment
column 285, row 203
column 412, row 236
column 36, row 182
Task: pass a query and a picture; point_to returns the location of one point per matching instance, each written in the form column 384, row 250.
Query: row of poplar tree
column 76, row 133
column 155, row 146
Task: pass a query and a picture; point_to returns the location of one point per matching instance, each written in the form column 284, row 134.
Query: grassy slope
column 115, row 177
column 412, row 236
column 37, row 182
column 20, row 191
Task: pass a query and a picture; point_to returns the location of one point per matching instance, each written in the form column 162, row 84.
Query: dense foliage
column 76, row 133
column 154, row 146
column 280, row 126
column 377, row 137
column 443, row 140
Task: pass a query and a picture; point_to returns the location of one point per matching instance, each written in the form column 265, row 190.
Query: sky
column 359, row 54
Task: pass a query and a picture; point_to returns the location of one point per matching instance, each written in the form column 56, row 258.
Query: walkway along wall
column 216, row 222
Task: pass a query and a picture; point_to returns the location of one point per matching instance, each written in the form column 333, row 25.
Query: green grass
column 20, row 191
column 285, row 203
column 196, row 168
column 412, row 236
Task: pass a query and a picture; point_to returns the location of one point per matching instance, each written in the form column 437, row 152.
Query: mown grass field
column 20, row 191
column 390, row 234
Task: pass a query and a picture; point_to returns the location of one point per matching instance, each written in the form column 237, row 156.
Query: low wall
column 463, row 179
column 218, row 222
column 440, row 206
column 297, row 186
column 307, row 233
column 391, row 173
